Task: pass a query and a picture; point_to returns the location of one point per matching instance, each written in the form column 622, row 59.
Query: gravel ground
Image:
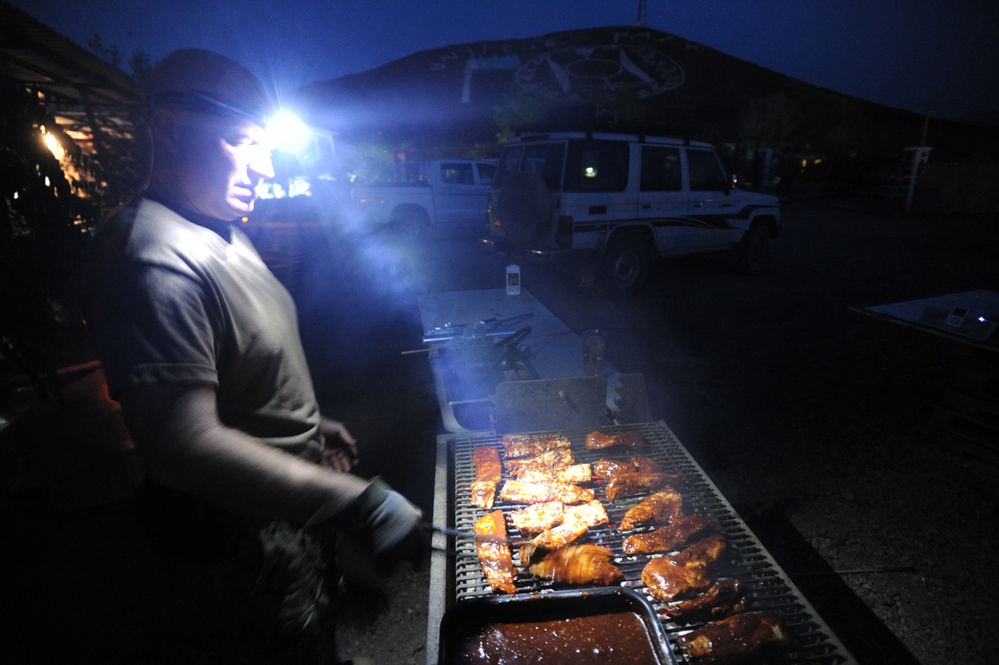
column 812, row 419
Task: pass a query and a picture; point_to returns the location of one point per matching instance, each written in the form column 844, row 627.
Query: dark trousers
column 256, row 592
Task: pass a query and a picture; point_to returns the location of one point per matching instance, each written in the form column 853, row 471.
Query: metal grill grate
column 770, row 589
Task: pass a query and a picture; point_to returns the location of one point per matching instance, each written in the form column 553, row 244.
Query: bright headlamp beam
column 290, row 134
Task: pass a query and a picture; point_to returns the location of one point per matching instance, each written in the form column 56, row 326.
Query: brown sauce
column 603, row 639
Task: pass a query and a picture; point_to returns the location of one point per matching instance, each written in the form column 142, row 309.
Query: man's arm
column 186, row 447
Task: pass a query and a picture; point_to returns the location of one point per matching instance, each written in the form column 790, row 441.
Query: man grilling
column 247, row 481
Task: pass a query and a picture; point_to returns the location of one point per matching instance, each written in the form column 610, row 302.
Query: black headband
column 205, row 103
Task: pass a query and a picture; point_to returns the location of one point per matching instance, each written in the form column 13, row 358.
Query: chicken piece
column 578, row 564
column 629, row 440
column 680, row 531
column 538, row 517
column 550, row 459
column 495, row 556
column 516, row 491
column 725, row 597
column 577, row 473
column 529, row 445
column 576, row 521
column 644, row 464
column 488, row 472
column 483, row 494
column 735, row 639
column 657, row 508
column 559, row 536
column 605, row 469
column 589, row 514
column 629, row 484
column 687, row 573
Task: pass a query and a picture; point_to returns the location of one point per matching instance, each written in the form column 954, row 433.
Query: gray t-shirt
column 173, row 301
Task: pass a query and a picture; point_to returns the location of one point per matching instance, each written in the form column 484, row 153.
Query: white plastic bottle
column 513, row 280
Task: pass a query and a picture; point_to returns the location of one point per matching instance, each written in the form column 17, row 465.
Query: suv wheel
column 412, row 226
column 624, row 266
column 753, row 248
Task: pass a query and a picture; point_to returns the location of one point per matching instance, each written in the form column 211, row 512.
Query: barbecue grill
column 456, row 575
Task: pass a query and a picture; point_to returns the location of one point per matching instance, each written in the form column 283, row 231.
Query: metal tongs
column 457, row 533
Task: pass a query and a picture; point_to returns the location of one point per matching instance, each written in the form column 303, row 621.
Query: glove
column 387, row 524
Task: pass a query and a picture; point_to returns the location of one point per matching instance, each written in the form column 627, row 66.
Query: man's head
column 211, row 150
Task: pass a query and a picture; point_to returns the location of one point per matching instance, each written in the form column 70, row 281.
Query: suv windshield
column 543, row 159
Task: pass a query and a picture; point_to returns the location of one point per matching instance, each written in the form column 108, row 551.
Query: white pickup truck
column 422, row 196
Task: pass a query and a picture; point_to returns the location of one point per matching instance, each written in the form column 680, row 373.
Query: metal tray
column 467, row 618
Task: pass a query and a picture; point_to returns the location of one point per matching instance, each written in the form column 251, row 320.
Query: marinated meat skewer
column 687, row 573
column 579, row 564
column 488, row 472
column 672, row 536
column 629, row 440
column 657, row 508
column 494, row 554
column 734, row 639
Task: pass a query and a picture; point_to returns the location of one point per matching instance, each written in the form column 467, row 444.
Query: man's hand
column 340, row 448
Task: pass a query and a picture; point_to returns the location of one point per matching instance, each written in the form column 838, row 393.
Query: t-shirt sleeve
column 158, row 329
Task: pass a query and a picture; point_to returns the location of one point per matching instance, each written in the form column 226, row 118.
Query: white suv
column 613, row 202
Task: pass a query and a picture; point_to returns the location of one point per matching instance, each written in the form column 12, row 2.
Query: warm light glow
column 53, row 145
column 590, row 172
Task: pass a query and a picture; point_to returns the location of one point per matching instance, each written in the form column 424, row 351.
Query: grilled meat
column 680, row 531
column 529, row 445
column 556, row 458
column 629, row 484
column 538, row 517
column 561, row 524
column 629, row 440
column 516, row 491
column 657, row 508
column 589, row 514
column 579, row 564
column 684, row 574
column 483, row 494
column 606, row 469
column 559, row 536
column 577, row 473
column 735, row 639
column 644, row 464
column 494, row 555
column 488, row 472
column 724, row 597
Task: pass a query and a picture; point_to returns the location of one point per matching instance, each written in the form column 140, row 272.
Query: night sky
column 936, row 56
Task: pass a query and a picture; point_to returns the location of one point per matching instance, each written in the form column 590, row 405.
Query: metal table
column 554, row 351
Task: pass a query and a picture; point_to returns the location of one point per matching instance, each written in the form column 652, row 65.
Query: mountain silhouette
column 626, row 78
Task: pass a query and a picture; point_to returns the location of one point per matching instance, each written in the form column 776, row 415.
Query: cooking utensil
column 458, row 533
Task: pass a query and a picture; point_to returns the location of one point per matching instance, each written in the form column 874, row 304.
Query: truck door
column 661, row 199
column 459, row 200
column 712, row 208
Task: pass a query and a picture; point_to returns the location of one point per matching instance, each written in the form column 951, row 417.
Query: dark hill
column 625, row 78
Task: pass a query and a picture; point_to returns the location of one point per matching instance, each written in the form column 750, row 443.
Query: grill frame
column 458, row 576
